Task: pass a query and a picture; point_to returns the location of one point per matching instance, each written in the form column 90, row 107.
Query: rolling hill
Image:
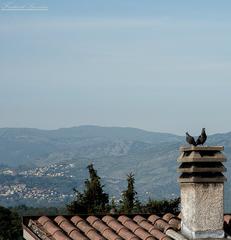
column 115, row 152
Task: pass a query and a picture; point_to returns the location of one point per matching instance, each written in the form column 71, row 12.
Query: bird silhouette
column 202, row 138
column 190, row 139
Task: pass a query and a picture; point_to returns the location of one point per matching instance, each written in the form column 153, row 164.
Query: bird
column 190, row 139
column 202, row 138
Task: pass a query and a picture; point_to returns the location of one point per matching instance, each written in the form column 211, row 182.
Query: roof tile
column 150, row 228
column 172, row 220
column 139, row 231
column 102, row 228
column 89, row 231
column 119, row 228
column 153, row 218
column 42, row 220
column 65, row 224
column 168, row 216
column 51, row 228
column 108, row 227
column 69, row 228
column 159, row 223
column 60, row 236
column 175, row 223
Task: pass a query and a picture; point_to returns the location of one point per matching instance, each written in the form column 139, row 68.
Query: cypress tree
column 93, row 199
column 129, row 196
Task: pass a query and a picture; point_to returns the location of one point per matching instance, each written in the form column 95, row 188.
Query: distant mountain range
column 115, row 152
column 23, row 146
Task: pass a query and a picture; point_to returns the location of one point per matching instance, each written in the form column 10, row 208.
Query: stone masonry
column 202, row 191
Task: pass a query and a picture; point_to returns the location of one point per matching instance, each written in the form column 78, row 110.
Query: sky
column 158, row 65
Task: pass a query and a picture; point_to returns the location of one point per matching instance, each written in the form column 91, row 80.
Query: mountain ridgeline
column 115, row 151
column 26, row 146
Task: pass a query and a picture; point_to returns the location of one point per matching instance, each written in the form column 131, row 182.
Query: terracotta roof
column 132, row 227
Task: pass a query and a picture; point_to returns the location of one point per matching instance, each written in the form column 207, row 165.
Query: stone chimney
column 202, row 191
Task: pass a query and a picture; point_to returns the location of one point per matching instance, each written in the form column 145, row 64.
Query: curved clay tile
column 77, row 236
column 102, row 228
column 172, row 220
column 94, row 221
column 76, row 219
column 168, row 216
column 119, row 228
column 126, row 221
column 162, row 225
column 65, row 224
column 70, row 229
column 52, row 229
column 42, row 220
column 60, row 219
column 139, row 231
column 107, row 219
column 175, row 224
column 84, row 227
column 150, row 228
column 153, row 218
column 159, row 223
column 60, row 236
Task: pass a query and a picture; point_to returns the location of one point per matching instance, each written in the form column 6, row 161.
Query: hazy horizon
column 162, row 66
column 191, row 131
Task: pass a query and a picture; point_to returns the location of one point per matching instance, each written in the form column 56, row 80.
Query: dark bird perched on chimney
column 202, row 138
column 190, row 139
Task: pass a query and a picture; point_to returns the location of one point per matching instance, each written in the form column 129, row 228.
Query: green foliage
column 23, row 210
column 129, row 201
column 131, row 204
column 10, row 225
column 93, row 199
column 161, row 207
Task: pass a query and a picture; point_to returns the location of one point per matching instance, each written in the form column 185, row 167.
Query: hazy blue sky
column 157, row 65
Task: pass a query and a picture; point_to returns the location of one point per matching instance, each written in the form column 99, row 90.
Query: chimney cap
column 201, row 148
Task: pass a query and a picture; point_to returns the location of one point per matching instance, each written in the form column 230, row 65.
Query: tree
column 10, row 225
column 93, row 199
column 129, row 200
column 161, row 207
column 23, row 210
